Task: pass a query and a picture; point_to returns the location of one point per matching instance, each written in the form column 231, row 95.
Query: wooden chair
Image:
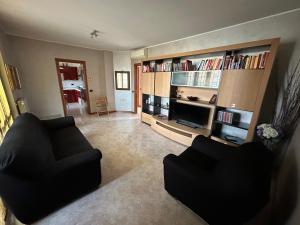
column 102, row 105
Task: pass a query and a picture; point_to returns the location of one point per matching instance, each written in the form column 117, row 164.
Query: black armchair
column 223, row 184
column 45, row 165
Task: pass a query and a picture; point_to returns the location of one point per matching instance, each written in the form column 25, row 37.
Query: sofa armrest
column 20, row 195
column 74, row 165
column 59, row 123
column 212, row 148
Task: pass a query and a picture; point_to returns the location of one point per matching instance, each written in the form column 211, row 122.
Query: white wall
column 4, row 48
column 36, row 62
column 285, row 26
column 124, row 99
column 109, row 79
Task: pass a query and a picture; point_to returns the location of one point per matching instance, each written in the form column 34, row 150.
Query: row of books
column 210, row 64
column 184, row 66
column 246, row 61
column 227, row 117
column 148, row 68
column 238, row 61
column 163, row 67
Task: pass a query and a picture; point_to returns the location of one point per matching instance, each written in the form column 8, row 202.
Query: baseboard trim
column 93, row 113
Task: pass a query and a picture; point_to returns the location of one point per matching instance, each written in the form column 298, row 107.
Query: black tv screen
column 195, row 114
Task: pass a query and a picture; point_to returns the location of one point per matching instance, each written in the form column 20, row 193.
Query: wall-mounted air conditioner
column 139, row 53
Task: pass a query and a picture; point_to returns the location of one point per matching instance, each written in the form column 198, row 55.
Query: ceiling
column 128, row 24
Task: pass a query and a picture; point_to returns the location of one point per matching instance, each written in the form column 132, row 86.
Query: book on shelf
column 240, row 61
column 184, row 66
column 163, row 67
column 210, row 64
column 227, row 117
column 149, row 67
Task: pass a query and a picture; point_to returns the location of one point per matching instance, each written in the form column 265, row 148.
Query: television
column 189, row 115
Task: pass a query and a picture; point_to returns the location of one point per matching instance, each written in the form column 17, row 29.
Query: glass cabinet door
column 183, row 78
column 204, row 79
column 179, row 78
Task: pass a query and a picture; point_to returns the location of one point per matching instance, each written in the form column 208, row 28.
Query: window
column 122, row 80
column 6, row 118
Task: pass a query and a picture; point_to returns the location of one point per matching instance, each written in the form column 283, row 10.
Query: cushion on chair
column 26, row 149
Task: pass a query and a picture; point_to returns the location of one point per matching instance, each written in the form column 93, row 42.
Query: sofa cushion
column 68, row 141
column 26, row 149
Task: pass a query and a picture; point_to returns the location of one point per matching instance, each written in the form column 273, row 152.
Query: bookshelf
column 238, row 74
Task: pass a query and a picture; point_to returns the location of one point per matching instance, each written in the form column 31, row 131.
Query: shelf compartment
column 229, row 138
column 195, row 103
column 241, row 125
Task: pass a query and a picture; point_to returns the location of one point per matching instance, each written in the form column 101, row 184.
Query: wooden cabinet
column 148, row 83
column 239, row 89
column 146, row 118
column 162, row 84
column 72, row 95
column 69, row 73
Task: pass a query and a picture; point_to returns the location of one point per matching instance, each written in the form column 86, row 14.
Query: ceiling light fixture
column 95, row 33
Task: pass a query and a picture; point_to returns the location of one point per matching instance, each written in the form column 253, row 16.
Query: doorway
column 73, row 86
column 137, row 87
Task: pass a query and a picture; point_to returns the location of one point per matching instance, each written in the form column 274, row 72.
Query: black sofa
column 222, row 184
column 45, row 165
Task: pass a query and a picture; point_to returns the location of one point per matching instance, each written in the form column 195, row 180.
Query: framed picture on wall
column 122, row 80
column 12, row 74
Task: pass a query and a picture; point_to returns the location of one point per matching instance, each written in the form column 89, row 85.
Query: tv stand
column 177, row 132
column 188, row 123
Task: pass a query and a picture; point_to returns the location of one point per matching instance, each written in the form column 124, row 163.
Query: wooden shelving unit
column 237, row 89
column 241, row 125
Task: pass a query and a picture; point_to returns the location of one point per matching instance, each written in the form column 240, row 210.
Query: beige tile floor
column 132, row 191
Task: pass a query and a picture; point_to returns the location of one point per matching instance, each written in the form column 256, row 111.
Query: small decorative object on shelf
column 269, row 135
column 192, row 98
column 213, row 99
column 178, row 94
